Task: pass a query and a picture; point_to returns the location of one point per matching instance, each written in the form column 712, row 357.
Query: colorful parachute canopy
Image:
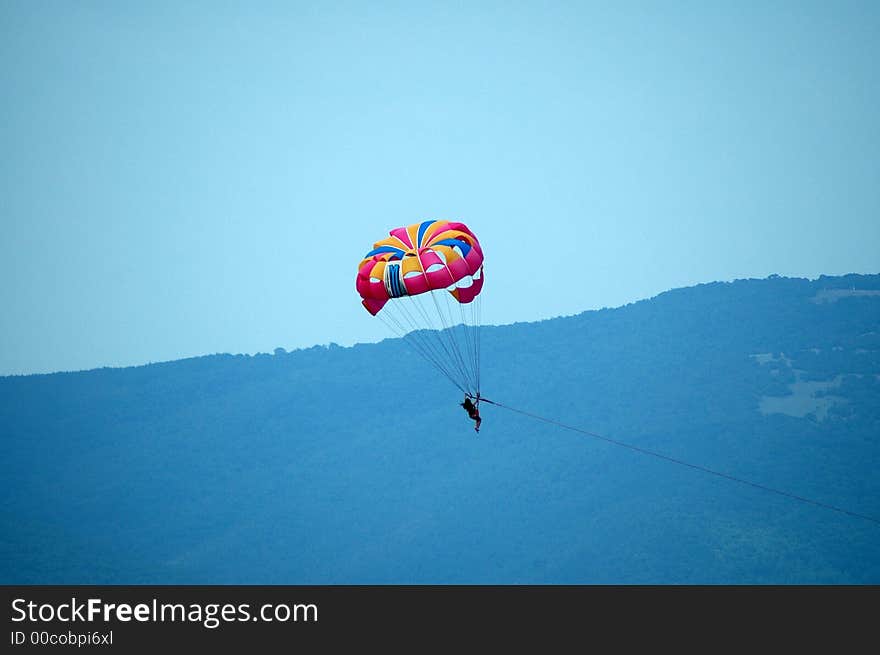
column 419, row 258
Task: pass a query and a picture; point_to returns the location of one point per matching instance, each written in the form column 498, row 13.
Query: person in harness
column 473, row 410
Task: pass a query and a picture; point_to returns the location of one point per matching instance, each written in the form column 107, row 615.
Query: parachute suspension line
column 429, row 324
column 475, row 385
column 453, row 351
column 478, row 310
column 427, row 356
column 473, row 335
column 468, row 338
column 460, row 336
column 415, row 332
column 393, row 323
column 432, row 346
column 419, row 328
column 680, row 462
column 450, row 336
column 442, row 338
column 411, row 332
column 452, row 333
column 474, row 310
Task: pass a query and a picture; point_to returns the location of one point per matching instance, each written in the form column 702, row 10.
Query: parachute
column 424, row 282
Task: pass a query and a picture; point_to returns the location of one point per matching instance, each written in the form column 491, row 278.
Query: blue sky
column 189, row 178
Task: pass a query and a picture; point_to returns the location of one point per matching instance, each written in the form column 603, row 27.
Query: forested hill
column 357, row 465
